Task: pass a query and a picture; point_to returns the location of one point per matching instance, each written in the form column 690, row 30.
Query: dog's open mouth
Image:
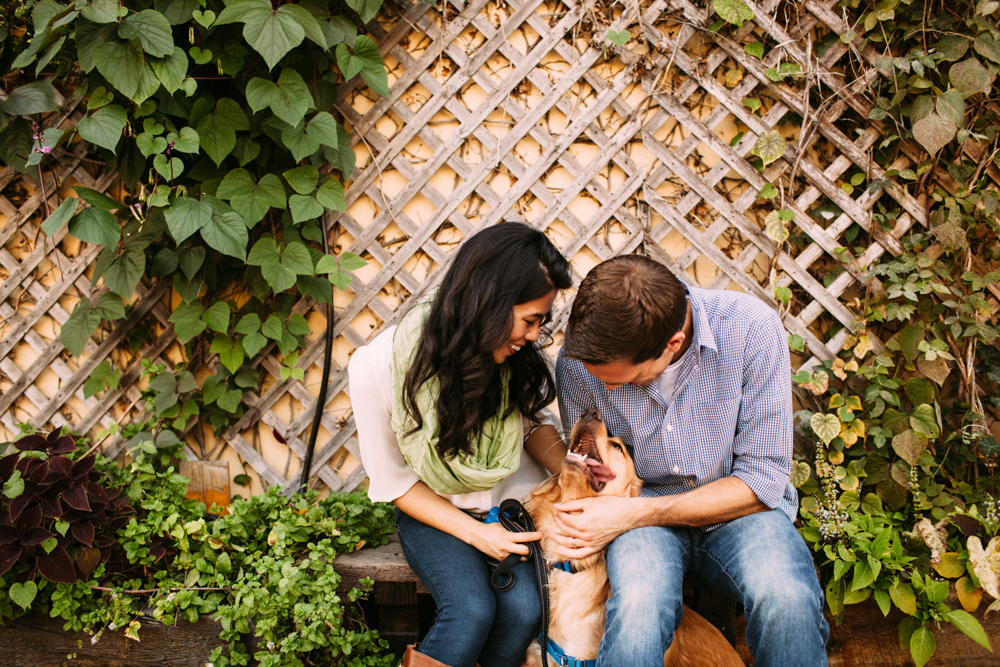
column 583, row 454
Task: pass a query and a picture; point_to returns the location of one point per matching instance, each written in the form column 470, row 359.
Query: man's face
column 616, row 373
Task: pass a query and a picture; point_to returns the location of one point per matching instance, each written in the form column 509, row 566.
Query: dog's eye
column 616, row 445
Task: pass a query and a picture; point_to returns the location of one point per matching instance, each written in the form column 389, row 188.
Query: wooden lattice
column 505, row 110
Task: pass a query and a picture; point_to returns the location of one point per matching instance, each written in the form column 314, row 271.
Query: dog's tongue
column 602, row 473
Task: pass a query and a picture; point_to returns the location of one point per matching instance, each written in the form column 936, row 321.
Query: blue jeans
column 759, row 559
column 474, row 622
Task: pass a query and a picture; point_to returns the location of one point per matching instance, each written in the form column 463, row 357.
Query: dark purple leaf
column 17, row 506
column 30, row 518
column 76, row 497
column 114, row 493
column 51, row 437
column 34, row 443
column 8, row 535
column 37, row 472
column 52, row 509
column 97, row 494
column 83, row 466
column 104, row 541
column 83, row 531
column 968, row 525
column 157, row 551
column 36, row 536
column 59, row 468
column 64, row 445
column 9, row 556
column 57, row 566
column 7, row 466
column 118, row 524
column 277, row 436
column 87, row 559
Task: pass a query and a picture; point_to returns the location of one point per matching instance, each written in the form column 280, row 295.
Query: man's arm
column 762, row 450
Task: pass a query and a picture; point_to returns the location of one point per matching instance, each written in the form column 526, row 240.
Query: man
column 698, row 384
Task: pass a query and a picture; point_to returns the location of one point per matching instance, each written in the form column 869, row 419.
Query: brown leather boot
column 413, row 658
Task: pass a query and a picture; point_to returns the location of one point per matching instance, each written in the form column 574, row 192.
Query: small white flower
column 112, row 626
column 93, row 639
column 270, row 646
column 170, row 597
column 208, row 664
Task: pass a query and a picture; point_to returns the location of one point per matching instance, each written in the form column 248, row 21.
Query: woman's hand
column 497, row 542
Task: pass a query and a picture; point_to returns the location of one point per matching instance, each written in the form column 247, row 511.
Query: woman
column 445, row 405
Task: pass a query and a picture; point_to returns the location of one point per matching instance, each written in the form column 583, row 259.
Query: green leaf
column 249, row 323
column 299, row 142
column 272, row 33
column 882, row 599
column 230, row 352
column 272, row 327
column 109, row 307
column 217, row 131
column 31, row 98
column 970, row 77
column 377, row 80
column 217, row 317
column 304, row 208
column 302, row 179
column 171, row 70
column 755, row 49
column 152, row 30
column 951, row 106
column 769, row 146
column 323, row 128
column 95, row 225
column 60, row 216
column 246, row 150
column 227, row 233
column 967, row 623
column 13, row 486
column 186, row 142
column 95, row 198
column 63, row 526
column 101, row 11
column 863, row 575
column 776, row 227
column 826, row 427
column 190, row 260
column 934, row 132
column 903, row 597
column 168, row 169
column 125, row 272
column 253, row 343
column 121, row 63
column 924, row 420
column 289, row 98
column 922, row 645
column 79, row 327
column 150, row 145
column 365, row 8
column 187, row 216
column 297, row 259
column 620, row 38
column 23, row 594
column 187, row 321
column 909, row 445
column 104, row 127
column 351, row 262
column 230, row 400
column 733, row 11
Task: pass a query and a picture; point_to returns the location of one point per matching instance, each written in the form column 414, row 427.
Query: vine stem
column 142, row 591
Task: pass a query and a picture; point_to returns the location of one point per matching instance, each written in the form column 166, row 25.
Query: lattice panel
column 513, row 110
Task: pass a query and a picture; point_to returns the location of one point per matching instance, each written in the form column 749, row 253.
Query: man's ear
column 676, row 341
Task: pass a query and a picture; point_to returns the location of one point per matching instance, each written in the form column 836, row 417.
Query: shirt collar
column 701, row 335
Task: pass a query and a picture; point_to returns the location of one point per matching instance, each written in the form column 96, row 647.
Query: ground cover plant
column 262, row 570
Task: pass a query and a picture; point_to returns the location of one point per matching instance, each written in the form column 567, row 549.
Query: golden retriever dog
column 598, row 465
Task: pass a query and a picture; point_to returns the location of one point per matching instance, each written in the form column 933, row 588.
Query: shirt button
column 677, row 469
column 691, row 482
column 670, row 427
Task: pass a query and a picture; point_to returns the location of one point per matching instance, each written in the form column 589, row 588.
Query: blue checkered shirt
column 730, row 413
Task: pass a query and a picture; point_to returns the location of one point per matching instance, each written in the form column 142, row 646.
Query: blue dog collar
column 559, row 655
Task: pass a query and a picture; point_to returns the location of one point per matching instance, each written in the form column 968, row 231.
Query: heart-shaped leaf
column 769, row 146
column 23, row 594
column 168, row 169
column 620, row 38
column 150, row 145
column 200, row 56
column 826, row 427
column 206, row 18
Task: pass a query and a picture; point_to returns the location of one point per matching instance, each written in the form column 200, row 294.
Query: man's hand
column 588, row 525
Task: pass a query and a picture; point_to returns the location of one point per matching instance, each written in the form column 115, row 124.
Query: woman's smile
column 528, row 318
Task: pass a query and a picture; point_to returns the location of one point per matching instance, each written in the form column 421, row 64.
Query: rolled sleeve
column 762, row 447
column 574, row 394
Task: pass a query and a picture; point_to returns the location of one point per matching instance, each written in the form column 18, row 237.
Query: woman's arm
column 547, row 447
column 426, row 506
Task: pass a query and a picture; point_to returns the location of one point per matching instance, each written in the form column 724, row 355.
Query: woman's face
column 528, row 319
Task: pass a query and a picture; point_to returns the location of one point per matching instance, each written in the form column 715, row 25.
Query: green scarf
column 495, row 454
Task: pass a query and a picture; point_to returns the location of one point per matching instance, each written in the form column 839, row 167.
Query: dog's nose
column 591, row 414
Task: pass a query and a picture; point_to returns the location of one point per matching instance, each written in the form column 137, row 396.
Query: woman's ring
column 574, row 543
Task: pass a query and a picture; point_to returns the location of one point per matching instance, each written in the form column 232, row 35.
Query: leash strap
column 515, row 518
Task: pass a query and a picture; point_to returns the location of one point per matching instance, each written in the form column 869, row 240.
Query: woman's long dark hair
column 500, row 267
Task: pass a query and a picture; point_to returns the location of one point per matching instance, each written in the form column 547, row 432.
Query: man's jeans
column 759, row 559
column 474, row 622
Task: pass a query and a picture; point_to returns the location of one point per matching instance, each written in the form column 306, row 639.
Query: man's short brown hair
column 626, row 310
